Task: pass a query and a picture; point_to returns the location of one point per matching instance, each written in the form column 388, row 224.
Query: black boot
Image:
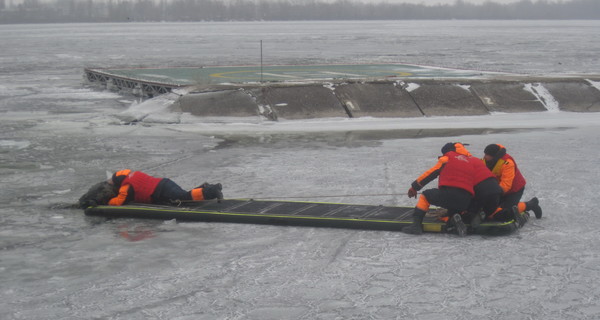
column 212, row 191
column 519, row 219
column 459, row 225
column 417, row 226
column 202, row 186
column 475, row 220
column 534, row 205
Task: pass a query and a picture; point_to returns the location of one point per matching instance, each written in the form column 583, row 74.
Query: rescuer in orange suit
column 137, row 186
column 512, row 182
column 465, row 185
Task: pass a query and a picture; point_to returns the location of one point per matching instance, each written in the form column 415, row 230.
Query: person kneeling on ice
column 460, row 175
column 137, row 186
column 512, row 182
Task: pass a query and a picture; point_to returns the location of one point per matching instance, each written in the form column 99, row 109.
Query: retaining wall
column 416, row 98
column 376, row 100
column 437, row 98
column 574, row 95
column 507, row 97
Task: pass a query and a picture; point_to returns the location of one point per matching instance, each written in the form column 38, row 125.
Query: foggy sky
column 434, row 2
column 425, row 2
column 49, row 11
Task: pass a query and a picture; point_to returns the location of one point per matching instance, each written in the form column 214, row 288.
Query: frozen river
column 58, row 137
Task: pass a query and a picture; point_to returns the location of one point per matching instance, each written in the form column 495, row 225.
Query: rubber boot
column 204, row 185
column 534, row 205
column 519, row 219
column 458, row 225
column 212, row 191
column 417, row 226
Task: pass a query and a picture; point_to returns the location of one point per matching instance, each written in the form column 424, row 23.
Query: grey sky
column 426, row 2
column 434, row 2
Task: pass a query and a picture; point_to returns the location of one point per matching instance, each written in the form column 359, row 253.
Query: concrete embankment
column 395, row 98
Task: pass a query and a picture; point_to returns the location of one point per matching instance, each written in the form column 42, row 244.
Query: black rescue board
column 293, row 213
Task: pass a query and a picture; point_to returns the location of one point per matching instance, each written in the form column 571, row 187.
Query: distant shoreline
column 56, row 11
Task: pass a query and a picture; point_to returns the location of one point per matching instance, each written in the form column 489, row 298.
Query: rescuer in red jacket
column 512, row 182
column 137, row 186
column 460, row 175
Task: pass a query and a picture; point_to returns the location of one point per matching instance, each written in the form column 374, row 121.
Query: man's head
column 98, row 194
column 456, row 147
column 493, row 151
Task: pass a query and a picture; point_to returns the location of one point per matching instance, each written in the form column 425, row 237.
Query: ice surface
column 11, row 144
column 58, row 137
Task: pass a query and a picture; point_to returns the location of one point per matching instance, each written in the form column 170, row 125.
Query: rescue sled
column 293, row 213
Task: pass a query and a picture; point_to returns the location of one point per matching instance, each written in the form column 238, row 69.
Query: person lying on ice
column 505, row 169
column 137, row 186
column 465, row 184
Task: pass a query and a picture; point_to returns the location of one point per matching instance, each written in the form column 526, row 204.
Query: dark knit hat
column 98, row 194
column 492, row 150
column 448, row 147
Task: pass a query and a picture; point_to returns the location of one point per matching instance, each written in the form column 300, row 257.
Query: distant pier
column 132, row 84
column 378, row 90
column 153, row 81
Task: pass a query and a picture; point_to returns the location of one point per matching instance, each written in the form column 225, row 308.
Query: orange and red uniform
column 512, row 182
column 455, row 176
column 460, row 175
column 137, row 186
column 453, row 169
column 456, row 169
column 506, row 171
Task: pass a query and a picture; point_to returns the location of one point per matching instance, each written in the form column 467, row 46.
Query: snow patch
column 183, row 90
column 68, row 56
column 164, row 78
column 464, row 86
column 13, row 144
column 410, row 87
column 265, row 111
column 595, row 84
column 13, row 91
column 153, row 75
column 543, row 95
column 329, row 86
column 152, row 110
